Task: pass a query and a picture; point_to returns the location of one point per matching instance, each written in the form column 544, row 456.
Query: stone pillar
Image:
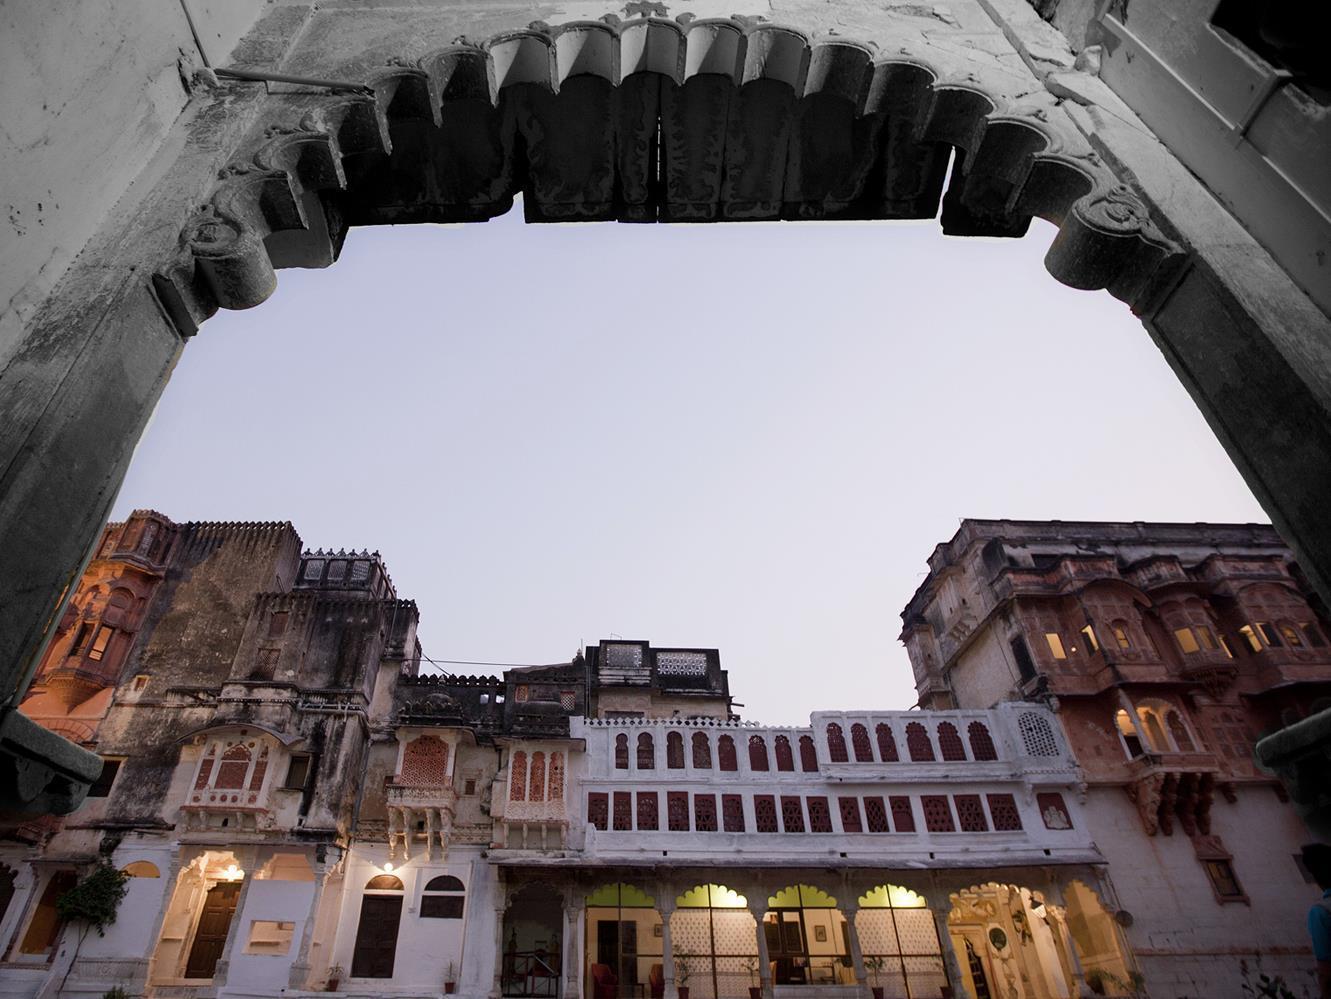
column 1126, row 704
column 500, row 907
column 299, row 976
column 575, row 910
column 1064, row 936
column 666, row 907
column 249, row 861
column 758, row 906
column 850, row 910
column 940, row 905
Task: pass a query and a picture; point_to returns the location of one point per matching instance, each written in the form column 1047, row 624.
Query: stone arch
column 533, row 934
column 899, row 941
column 714, row 938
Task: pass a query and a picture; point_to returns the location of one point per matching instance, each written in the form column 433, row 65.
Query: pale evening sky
column 746, row 437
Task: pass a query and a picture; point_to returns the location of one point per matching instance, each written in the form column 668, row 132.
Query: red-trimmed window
column 785, row 759
column 764, row 813
column 702, row 752
column 732, row 812
column 792, row 814
column 836, row 744
column 517, row 783
column 677, row 810
column 674, row 751
column 704, row 813
column 623, row 811
column 757, row 753
column 725, row 754
column 982, row 743
column 859, row 741
column 648, row 814
column 808, row 755
column 917, row 742
column 1003, row 809
column 970, row 813
column 937, row 813
column 820, row 815
column 598, row 809
column 949, row 743
column 876, row 815
column 903, row 816
column 887, row 743
column 646, row 751
column 850, row 815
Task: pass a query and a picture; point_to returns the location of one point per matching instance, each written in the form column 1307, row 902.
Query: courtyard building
column 300, row 808
column 1165, row 651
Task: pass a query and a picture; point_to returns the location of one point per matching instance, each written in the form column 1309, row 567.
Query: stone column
column 758, row 906
column 666, row 907
column 298, row 978
column 500, row 907
column 940, row 905
column 1126, row 704
column 249, row 860
column 1064, row 936
column 575, row 909
column 850, row 910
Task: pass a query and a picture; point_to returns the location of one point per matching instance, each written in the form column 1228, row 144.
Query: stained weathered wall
column 91, row 91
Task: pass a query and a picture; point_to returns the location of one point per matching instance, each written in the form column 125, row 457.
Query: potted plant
column 682, row 976
column 335, row 975
column 755, row 986
column 874, row 965
column 451, row 979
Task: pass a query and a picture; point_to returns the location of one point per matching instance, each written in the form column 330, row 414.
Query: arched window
column 836, row 744
column 674, row 751
column 918, row 744
column 537, row 777
column 757, row 753
column 1179, row 731
column 702, row 751
column 1132, row 743
column 517, row 784
column 859, row 741
column 556, row 776
column 621, row 752
column 442, row 898
column 949, row 742
column 725, row 753
column 1120, row 631
column 646, row 751
column 234, row 769
column 887, row 743
column 375, row 952
column 785, row 759
column 982, row 743
column 808, row 755
column 424, row 762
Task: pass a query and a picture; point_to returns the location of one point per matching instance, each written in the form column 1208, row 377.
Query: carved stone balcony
column 534, row 825
column 1169, row 786
column 226, row 808
column 420, row 811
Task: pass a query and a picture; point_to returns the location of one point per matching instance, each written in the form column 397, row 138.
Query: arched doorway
column 533, row 943
column 715, row 943
column 899, row 941
column 624, row 944
column 808, row 941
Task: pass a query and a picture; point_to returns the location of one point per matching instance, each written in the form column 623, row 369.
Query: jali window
column 764, row 813
column 732, row 812
column 859, row 741
column 937, row 813
column 785, row 759
column 598, row 809
column 647, row 811
column 677, row 810
column 704, row 813
column 623, row 812
column 949, row 743
column 702, row 752
column 836, row 744
column 887, row 743
column 792, row 814
column 820, row 815
column 850, row 815
column 982, row 743
column 725, row 753
column 876, row 815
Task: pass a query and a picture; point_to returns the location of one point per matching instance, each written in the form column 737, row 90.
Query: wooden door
column 219, row 905
column 376, row 936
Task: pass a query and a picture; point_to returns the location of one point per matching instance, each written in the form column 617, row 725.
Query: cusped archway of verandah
column 532, row 961
column 650, row 119
column 714, row 941
column 624, row 943
column 1010, row 936
column 808, row 939
column 899, row 942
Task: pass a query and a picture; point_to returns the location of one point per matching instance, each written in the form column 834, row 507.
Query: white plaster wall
column 90, row 91
column 425, row 947
column 285, row 901
column 1188, row 944
column 132, row 934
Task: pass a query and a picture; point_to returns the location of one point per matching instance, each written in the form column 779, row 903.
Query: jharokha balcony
column 420, row 812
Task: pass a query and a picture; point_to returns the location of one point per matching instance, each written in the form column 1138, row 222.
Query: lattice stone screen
column 681, row 664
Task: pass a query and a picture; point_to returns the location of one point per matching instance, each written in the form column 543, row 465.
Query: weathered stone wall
column 91, row 92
